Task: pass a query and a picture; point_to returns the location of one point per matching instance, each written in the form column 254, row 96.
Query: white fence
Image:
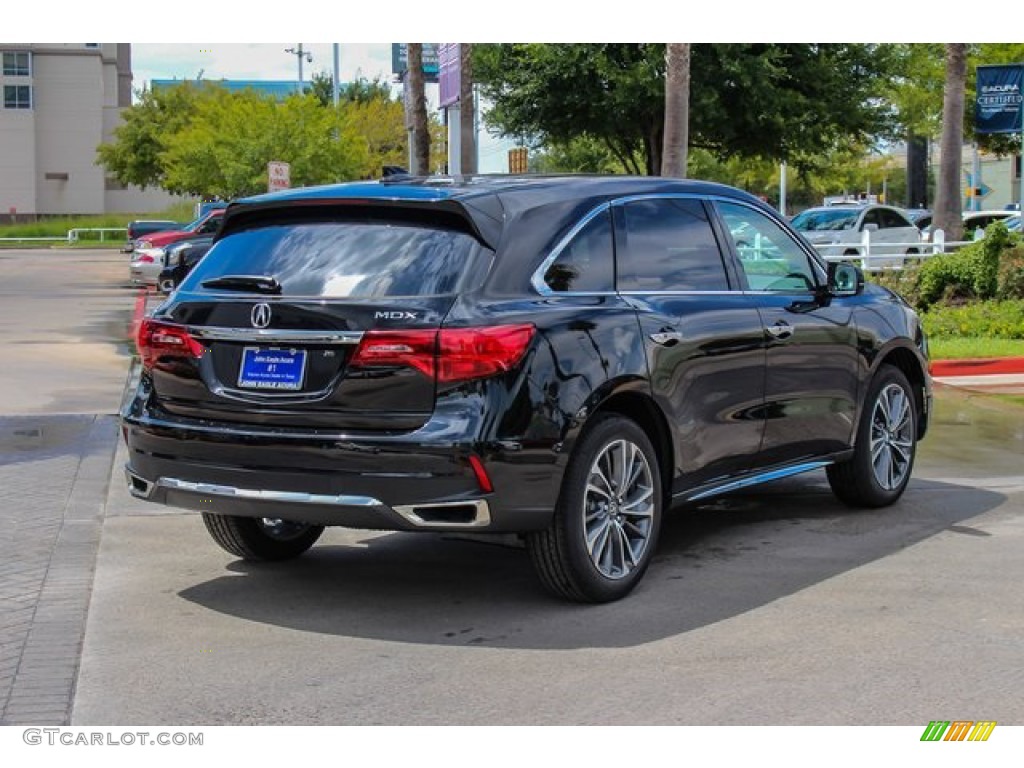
column 73, row 236
column 878, row 256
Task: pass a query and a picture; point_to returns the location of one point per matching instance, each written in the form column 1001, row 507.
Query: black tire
column 166, row 286
column 252, row 538
column 877, row 481
column 623, row 530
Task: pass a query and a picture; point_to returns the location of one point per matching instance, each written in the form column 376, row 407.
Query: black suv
column 562, row 358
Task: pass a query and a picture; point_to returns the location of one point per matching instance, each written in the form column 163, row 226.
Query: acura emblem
column 261, row 316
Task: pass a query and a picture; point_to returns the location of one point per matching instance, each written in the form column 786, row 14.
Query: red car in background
column 204, row 225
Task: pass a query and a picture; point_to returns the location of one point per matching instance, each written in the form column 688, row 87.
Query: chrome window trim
column 275, row 335
column 537, row 278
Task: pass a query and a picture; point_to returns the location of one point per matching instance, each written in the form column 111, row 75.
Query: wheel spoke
column 629, row 506
column 882, row 468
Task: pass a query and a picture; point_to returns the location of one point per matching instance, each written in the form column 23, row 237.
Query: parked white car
column 146, row 265
column 838, row 231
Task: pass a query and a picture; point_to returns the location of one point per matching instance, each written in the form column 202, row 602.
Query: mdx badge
column 260, row 316
column 394, row 316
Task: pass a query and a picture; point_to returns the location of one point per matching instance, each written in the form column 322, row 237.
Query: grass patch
column 972, row 347
column 59, row 226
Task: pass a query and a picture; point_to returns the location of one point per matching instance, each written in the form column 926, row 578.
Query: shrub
column 991, row 319
column 972, row 272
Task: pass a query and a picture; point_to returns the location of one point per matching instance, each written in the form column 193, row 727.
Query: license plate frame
column 256, row 372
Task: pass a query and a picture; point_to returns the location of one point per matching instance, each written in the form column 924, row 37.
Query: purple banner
column 449, row 73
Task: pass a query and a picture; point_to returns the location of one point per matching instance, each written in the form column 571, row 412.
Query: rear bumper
column 416, row 481
column 320, row 509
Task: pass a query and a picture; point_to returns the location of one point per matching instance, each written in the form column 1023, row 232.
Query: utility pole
column 336, row 85
column 299, row 53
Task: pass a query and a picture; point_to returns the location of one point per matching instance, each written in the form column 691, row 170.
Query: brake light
column 449, row 355
column 476, row 353
column 157, row 340
column 146, row 258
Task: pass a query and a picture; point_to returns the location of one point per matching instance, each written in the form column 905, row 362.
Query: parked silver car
column 146, row 265
column 838, row 231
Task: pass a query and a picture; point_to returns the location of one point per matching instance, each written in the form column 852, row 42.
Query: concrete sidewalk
column 996, row 376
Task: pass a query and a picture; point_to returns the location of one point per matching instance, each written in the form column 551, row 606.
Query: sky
column 269, row 61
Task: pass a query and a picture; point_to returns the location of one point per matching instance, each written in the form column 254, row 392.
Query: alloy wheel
column 892, row 441
column 618, row 509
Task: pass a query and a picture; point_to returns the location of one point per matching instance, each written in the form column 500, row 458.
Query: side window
column 770, row 257
column 670, row 246
column 209, row 226
column 892, row 220
column 586, row 263
column 872, row 217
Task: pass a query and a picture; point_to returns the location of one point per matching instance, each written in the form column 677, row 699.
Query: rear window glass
column 350, row 259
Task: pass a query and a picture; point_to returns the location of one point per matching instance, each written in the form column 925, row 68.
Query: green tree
column 786, row 101
column 360, row 90
column 134, row 156
column 225, row 148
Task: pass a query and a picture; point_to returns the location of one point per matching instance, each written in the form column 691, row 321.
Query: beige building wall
column 48, row 153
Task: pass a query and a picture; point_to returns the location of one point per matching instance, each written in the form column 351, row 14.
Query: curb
column 977, row 367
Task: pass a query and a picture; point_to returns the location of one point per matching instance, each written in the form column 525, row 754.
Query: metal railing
column 73, row 236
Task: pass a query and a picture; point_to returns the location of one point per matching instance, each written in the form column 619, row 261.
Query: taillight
column 146, row 258
column 475, row 353
column 449, row 355
column 157, row 340
column 412, row 349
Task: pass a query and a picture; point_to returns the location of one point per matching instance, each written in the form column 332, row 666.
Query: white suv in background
column 838, row 231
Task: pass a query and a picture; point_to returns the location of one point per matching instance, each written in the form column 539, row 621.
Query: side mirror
column 845, row 279
column 181, row 257
column 870, row 227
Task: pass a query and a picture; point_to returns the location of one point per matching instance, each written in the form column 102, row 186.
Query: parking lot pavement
column 772, row 607
column 63, row 321
column 54, row 472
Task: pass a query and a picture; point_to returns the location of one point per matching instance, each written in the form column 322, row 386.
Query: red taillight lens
column 450, row 355
column 146, row 259
column 158, row 340
column 412, row 349
column 475, row 353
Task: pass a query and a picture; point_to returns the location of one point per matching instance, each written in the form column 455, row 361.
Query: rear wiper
column 258, row 283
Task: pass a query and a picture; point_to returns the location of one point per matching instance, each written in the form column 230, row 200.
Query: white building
column 61, row 101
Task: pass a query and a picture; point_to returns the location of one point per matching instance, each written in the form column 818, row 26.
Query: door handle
column 781, row 330
column 667, row 338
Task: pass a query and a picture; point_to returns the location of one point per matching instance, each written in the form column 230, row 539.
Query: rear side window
column 670, row 246
column 351, row 259
column 586, row 263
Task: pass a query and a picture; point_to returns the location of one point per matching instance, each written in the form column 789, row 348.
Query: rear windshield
column 350, row 259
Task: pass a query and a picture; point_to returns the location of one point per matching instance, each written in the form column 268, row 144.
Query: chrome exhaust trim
column 420, row 514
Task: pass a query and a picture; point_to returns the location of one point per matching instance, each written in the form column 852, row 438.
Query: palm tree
column 677, row 110
column 467, row 110
column 416, row 103
column 948, row 209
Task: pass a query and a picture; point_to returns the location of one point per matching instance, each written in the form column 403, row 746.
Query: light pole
column 299, row 53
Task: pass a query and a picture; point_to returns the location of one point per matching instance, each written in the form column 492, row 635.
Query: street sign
column 400, row 60
column 450, row 66
column 279, row 176
column 997, row 105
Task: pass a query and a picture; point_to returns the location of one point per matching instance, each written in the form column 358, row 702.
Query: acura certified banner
column 997, row 107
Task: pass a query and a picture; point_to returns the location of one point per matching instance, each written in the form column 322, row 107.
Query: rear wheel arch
column 644, row 411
